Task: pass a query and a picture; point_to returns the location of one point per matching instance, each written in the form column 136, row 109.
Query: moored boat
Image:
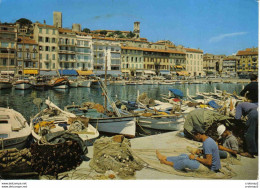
column 53, row 119
column 125, row 125
column 14, row 129
column 5, row 83
column 22, row 84
column 59, row 83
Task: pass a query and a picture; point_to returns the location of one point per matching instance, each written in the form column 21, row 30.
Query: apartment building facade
column 47, row 38
column 106, row 51
column 212, row 64
column 248, row 61
column 194, row 62
column 27, row 56
column 229, row 66
column 8, row 42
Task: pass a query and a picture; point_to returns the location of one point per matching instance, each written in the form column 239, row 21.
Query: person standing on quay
column 251, row 90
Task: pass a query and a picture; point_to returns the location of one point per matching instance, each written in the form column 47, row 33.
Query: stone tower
column 57, row 19
column 76, row 27
column 137, row 29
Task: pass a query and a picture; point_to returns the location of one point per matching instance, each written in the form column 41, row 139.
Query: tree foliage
column 121, row 36
column 24, row 22
column 130, row 35
column 118, row 32
column 86, row 30
column 103, row 32
column 157, row 68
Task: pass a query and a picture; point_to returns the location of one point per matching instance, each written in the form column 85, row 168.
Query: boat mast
column 106, row 80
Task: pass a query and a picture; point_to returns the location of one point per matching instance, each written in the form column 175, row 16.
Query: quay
column 247, row 170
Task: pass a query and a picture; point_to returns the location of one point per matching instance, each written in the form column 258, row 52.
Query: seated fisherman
column 230, row 143
column 210, row 150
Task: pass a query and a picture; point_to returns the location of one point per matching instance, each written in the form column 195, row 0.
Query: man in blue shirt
column 210, row 153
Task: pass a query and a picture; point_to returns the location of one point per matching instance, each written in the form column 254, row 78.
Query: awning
column 149, row 72
column 165, row 72
column 48, row 73
column 182, row 73
column 7, row 72
column 85, row 73
column 139, row 71
column 179, row 67
column 68, row 72
column 30, row 71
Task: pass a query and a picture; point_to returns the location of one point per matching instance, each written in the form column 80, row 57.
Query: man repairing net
column 210, row 151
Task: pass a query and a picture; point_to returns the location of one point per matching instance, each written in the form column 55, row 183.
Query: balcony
column 5, row 55
column 66, row 52
column 68, row 60
column 66, row 44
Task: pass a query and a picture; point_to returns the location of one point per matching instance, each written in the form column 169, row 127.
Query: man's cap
column 220, row 130
column 197, row 129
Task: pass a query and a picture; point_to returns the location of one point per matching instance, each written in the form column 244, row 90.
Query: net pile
column 50, row 159
column 144, row 99
column 13, row 160
column 114, row 153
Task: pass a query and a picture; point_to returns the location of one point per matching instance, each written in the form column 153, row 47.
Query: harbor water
column 22, row 100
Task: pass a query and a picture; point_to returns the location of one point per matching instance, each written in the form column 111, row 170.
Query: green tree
column 103, row 32
column 111, row 35
column 121, row 36
column 86, row 30
column 118, row 32
column 130, row 35
column 24, row 22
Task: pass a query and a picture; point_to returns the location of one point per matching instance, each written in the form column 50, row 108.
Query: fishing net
column 144, row 99
column 114, row 153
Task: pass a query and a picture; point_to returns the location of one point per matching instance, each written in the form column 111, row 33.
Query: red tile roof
column 193, row 50
column 26, row 40
column 247, row 52
column 151, row 50
column 49, row 26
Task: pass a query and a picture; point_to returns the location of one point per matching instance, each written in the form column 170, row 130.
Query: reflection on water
column 21, row 100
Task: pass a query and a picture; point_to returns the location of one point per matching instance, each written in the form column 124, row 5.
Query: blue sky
column 215, row 26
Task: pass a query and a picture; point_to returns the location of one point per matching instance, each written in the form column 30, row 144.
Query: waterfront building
column 212, row 64
column 248, row 61
column 57, row 19
column 84, row 48
column 106, row 50
column 194, row 62
column 67, row 49
column 27, row 56
column 8, row 42
column 47, row 38
column 229, row 66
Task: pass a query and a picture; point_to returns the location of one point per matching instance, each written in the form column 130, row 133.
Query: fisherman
column 250, row 111
column 251, row 89
column 210, row 150
column 230, row 143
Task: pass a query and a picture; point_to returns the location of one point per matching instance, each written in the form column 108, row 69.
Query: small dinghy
column 14, row 129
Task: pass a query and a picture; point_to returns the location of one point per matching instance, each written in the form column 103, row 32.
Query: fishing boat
column 5, row 83
column 40, row 83
column 106, row 122
column 14, row 129
column 84, row 83
column 73, row 83
column 22, row 84
column 59, row 83
column 53, row 119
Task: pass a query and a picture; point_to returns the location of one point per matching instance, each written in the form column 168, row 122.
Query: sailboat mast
column 106, row 80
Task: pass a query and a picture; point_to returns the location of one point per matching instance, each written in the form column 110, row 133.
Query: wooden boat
column 5, row 83
column 22, row 84
column 124, row 125
column 59, row 83
column 61, row 121
column 84, row 83
column 73, row 83
column 14, row 129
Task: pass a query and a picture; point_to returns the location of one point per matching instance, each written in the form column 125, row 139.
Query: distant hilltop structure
column 57, row 19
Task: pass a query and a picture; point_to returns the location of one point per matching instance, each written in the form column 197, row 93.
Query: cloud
column 103, row 16
column 221, row 37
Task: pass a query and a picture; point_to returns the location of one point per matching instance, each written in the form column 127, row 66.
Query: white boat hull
column 84, row 83
column 61, row 87
column 163, row 123
column 121, row 125
column 19, row 143
column 74, row 84
column 23, row 86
